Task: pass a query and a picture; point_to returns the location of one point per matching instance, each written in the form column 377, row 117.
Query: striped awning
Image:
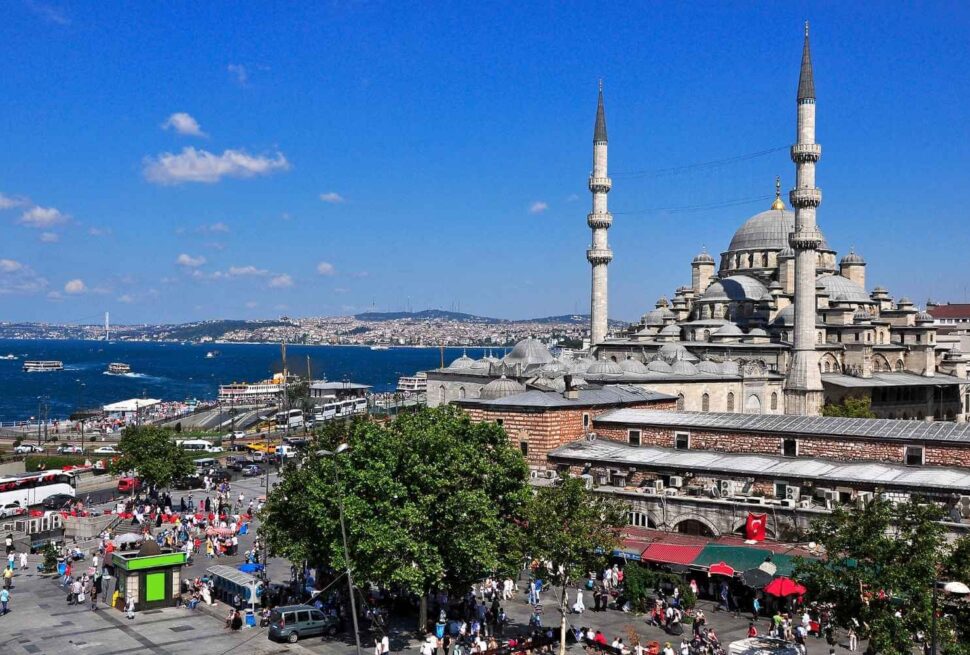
column 671, row 553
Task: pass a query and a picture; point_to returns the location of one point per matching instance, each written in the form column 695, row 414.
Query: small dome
column 836, row 285
column 553, row 368
column 659, row 366
column 580, row 365
column 529, row 352
column 775, row 284
column 728, row 330
column 672, row 352
column 479, row 365
column 671, row 330
column 730, row 367
column 709, row 367
column 604, row 367
column 880, row 290
column 657, row 317
column 683, row 368
column 662, row 302
column 861, row 314
column 904, row 301
column 757, row 332
column 630, row 365
column 924, row 317
column 852, row 258
column 785, row 316
column 501, row 388
column 703, row 258
column 463, row 362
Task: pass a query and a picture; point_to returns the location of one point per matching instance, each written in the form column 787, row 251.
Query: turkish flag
column 755, row 526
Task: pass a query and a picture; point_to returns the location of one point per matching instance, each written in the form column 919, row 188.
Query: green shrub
column 50, row 558
column 18, row 441
column 688, row 598
column 33, row 462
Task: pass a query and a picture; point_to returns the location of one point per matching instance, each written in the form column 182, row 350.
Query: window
column 705, row 403
column 500, row 422
column 638, row 519
column 856, row 336
column 524, row 447
column 774, row 400
column 682, row 440
column 316, row 615
column 781, row 489
column 789, row 447
column 633, row 436
column 680, row 402
column 918, row 338
column 303, row 616
column 441, row 394
column 914, row 455
column 730, row 401
column 461, row 393
column 585, row 421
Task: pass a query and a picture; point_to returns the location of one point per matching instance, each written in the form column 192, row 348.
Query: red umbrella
column 783, row 586
column 721, row 568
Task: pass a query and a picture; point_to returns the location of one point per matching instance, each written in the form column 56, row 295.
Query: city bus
column 340, row 409
column 34, row 488
column 295, row 419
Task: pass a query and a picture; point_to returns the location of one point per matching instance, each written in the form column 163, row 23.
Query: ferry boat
column 10, row 356
column 38, row 366
column 212, row 354
column 380, row 346
column 252, row 393
column 118, row 368
column 417, row 383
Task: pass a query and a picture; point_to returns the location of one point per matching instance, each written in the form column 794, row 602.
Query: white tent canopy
column 130, row 406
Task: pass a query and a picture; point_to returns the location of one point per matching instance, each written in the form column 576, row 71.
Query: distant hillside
column 426, row 315
column 212, row 329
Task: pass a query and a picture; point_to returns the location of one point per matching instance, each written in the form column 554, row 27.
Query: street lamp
column 343, row 533
column 953, row 588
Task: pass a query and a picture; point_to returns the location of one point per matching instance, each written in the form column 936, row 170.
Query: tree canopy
column 883, row 558
column 431, row 500
column 850, row 407
column 153, row 453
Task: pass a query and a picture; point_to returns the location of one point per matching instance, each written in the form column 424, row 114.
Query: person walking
column 853, row 640
column 4, row 599
column 23, row 561
column 7, row 578
column 95, row 591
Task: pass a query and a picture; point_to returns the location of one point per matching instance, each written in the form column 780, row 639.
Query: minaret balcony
column 600, row 184
column 600, row 221
column 599, row 256
column 805, row 239
column 804, row 198
column 806, row 152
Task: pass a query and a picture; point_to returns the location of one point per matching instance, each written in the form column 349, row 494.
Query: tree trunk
column 423, row 615
column 562, row 613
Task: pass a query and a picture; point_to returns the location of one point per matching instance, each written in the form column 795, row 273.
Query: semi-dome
column 604, row 367
column 843, row 289
column 659, row 366
column 670, row 331
column 480, row 365
column 757, row 332
column 786, row 253
column 728, row 330
column 683, row 368
column 730, row 367
column 785, row 316
column 501, row 388
column 630, row 365
column 768, row 230
column 709, row 367
column 735, row 287
column 528, row 352
column 852, row 258
column 463, row 362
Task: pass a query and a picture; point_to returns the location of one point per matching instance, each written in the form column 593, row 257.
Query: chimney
column 570, row 393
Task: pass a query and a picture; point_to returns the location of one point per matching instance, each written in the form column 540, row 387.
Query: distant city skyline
column 172, row 164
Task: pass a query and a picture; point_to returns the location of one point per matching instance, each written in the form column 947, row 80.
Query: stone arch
column 880, row 363
column 442, row 394
column 830, row 363
column 899, row 365
column 706, row 335
column 774, row 400
column 680, row 402
column 752, row 405
column 706, row 403
column 695, row 519
column 730, row 401
column 461, row 393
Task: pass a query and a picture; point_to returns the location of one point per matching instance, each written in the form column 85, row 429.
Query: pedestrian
column 130, row 608
column 853, row 639
column 23, row 560
column 95, row 591
column 75, row 591
column 9, row 542
column 7, row 578
column 755, row 608
column 4, row 599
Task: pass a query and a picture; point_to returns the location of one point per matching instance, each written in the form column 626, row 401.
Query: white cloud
column 281, row 281
column 332, row 197
column 55, row 295
column 49, row 237
column 126, row 298
column 326, row 268
column 193, row 165
column 252, row 304
column 183, row 123
column 189, row 261
column 10, row 266
column 538, row 207
column 9, row 202
column 341, row 290
column 48, row 12
column 75, row 286
column 43, row 217
column 243, row 271
column 99, row 231
column 219, row 227
column 239, row 72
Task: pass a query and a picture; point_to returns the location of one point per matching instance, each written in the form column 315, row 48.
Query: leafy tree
column 882, row 558
column 50, row 557
column 851, row 407
column 572, row 528
column 431, row 500
column 153, row 453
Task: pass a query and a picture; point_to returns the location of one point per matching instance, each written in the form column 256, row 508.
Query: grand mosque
column 777, row 323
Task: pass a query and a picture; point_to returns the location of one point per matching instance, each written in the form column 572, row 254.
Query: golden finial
column 778, row 204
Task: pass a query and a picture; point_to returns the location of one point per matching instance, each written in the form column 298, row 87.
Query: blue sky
column 178, row 161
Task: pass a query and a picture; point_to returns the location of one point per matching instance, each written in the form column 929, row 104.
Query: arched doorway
column 752, row 405
column 694, row 528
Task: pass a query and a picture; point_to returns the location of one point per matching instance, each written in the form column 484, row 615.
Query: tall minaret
column 803, row 387
column 600, row 219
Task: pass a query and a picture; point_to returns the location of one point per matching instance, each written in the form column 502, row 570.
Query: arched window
column 764, row 259
column 707, row 335
column 774, row 400
column 828, row 367
column 461, row 393
column 705, row 403
column 730, row 401
column 680, row 402
column 899, row 365
column 752, row 405
column 442, row 395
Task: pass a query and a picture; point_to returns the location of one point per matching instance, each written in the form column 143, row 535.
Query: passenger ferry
column 212, row 354
column 9, row 356
column 118, row 368
column 417, row 383
column 41, row 366
column 380, row 346
column 252, row 393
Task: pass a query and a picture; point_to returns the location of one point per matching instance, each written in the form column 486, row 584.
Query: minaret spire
column 803, row 385
column 599, row 220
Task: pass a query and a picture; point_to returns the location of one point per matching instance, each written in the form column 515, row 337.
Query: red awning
column 721, row 569
column 671, row 553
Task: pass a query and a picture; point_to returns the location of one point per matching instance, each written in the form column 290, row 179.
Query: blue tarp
column 250, row 568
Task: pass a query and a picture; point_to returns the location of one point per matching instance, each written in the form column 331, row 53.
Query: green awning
column 742, row 558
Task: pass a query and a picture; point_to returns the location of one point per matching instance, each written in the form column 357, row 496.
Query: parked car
column 221, row 475
column 27, row 448
column 291, row 622
column 67, row 449
column 239, row 434
column 11, row 509
column 239, row 448
column 188, row 482
column 129, row 484
column 252, row 470
column 57, row 501
column 106, row 450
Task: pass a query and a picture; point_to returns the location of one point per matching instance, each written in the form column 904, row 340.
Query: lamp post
column 343, row 533
column 952, row 588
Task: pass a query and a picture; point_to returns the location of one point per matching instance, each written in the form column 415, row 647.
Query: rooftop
column 894, row 379
column 880, row 428
column 617, row 394
column 604, row 451
column 336, row 386
column 951, row 310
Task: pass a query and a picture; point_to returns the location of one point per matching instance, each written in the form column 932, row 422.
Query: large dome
column 768, row 230
column 735, row 287
column 529, row 351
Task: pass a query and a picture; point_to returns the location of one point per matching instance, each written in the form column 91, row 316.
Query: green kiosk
column 151, row 576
